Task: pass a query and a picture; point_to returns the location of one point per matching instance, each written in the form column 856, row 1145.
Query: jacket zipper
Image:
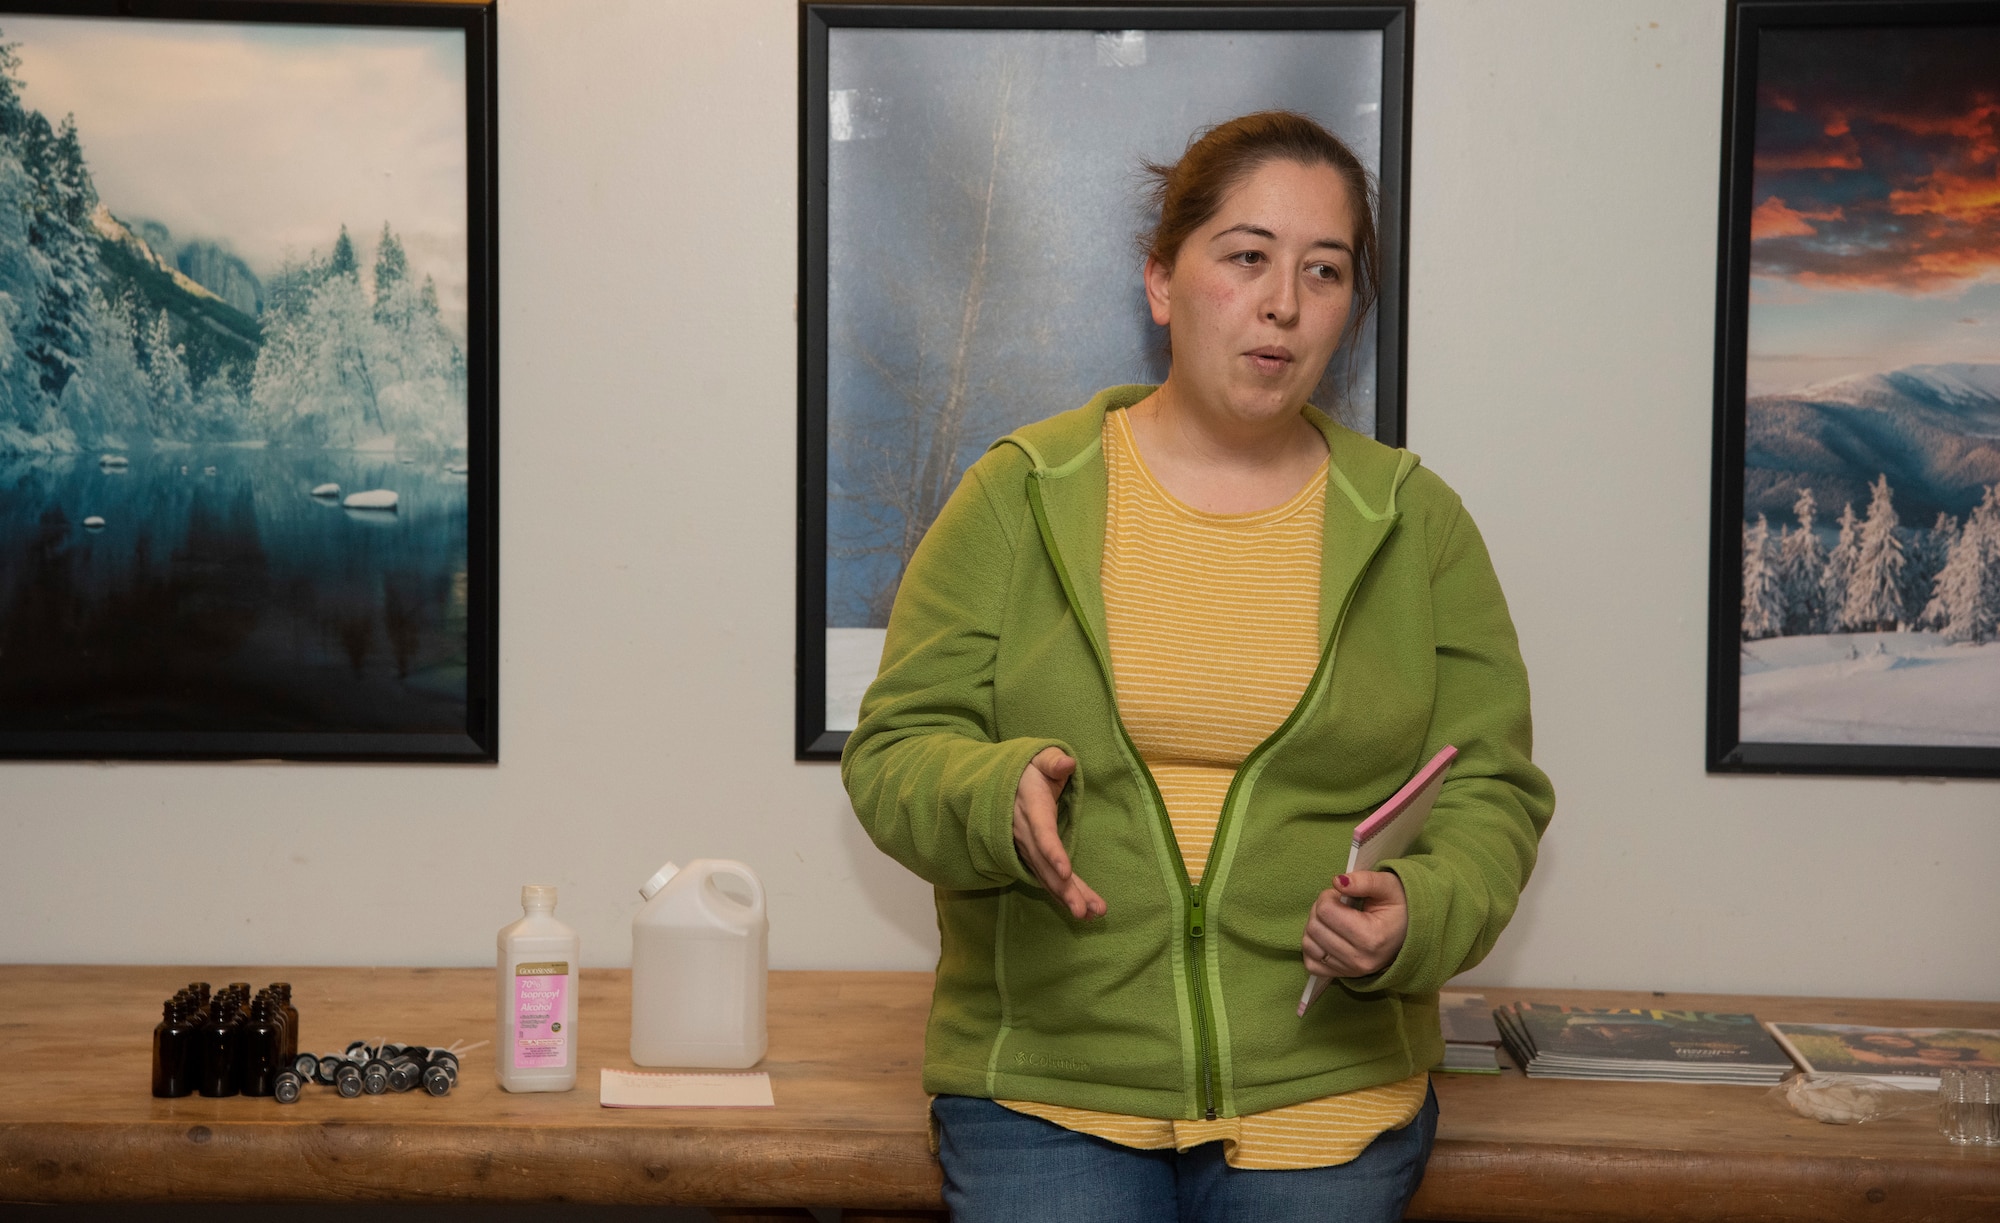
column 1196, row 894
column 1197, row 924
column 1197, row 928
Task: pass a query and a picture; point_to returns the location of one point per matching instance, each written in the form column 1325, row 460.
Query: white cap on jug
column 651, row 887
column 538, row 896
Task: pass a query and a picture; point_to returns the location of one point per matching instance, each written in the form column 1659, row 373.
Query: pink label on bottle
column 541, row 1033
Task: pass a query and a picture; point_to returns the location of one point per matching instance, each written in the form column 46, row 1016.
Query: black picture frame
column 1829, row 223
column 418, row 615
column 820, row 24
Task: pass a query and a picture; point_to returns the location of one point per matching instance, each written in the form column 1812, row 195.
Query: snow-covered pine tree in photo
column 1989, row 586
column 60, row 229
column 24, row 276
column 1875, row 588
column 392, row 275
column 284, row 391
column 1839, row 571
column 1801, row 561
column 422, row 402
column 110, row 400
column 166, row 376
column 342, row 262
column 1967, row 598
column 1927, row 552
column 1763, row 599
column 342, row 318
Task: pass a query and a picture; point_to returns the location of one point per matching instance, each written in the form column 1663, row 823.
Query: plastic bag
column 1849, row 1099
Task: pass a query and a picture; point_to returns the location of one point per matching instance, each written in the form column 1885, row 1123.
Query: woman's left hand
column 1355, row 941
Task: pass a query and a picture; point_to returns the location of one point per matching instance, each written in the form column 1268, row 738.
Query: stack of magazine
column 1565, row 1042
column 1471, row 1039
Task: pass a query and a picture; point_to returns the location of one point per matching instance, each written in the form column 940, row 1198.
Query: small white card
column 637, row 1089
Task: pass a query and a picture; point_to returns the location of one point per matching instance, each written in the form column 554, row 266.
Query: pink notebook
column 1388, row 834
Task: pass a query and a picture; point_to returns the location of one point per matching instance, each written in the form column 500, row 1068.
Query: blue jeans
column 1001, row 1166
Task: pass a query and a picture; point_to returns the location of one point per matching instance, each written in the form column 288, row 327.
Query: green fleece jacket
column 1181, row 1000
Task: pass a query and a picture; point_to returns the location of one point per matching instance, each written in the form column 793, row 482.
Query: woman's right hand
column 1035, row 836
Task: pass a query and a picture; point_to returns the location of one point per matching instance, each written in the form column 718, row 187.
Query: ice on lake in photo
column 1886, row 688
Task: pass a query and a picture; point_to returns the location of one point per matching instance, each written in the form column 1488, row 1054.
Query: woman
column 1155, row 659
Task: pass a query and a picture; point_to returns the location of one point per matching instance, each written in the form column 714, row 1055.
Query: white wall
column 1562, row 279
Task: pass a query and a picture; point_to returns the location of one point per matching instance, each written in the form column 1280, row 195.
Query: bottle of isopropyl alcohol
column 535, row 1049
column 698, row 957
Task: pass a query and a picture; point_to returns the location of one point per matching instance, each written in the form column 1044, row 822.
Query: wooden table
column 77, row 1123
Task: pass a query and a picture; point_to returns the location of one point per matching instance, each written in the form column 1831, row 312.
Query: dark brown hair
column 1188, row 193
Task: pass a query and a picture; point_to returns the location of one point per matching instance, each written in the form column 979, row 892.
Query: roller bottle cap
column 375, row 1077
column 538, row 896
column 651, row 887
column 306, row 1066
column 405, row 1074
column 288, row 1087
column 347, row 1080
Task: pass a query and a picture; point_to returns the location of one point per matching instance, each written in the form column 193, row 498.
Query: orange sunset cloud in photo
column 1773, row 220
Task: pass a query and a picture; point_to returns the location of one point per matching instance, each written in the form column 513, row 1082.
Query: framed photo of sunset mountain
column 1855, row 561
column 247, row 381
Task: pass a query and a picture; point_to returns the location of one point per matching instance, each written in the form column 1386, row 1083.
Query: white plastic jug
column 698, row 968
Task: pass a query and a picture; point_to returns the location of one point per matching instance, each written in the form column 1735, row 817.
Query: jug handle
column 736, row 870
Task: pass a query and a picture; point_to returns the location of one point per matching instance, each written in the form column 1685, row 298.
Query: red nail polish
column 1344, row 882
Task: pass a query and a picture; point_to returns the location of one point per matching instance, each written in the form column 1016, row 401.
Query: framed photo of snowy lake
column 971, row 195
column 247, row 399
column 1855, row 565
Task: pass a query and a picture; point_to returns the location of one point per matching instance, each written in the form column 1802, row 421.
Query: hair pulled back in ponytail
column 1188, row 193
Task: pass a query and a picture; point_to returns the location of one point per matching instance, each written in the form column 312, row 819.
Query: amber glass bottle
column 173, row 1053
column 220, row 1040
column 261, row 1045
column 283, row 989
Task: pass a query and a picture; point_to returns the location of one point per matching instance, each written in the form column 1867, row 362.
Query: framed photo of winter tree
column 1855, row 566
column 970, row 198
column 247, row 396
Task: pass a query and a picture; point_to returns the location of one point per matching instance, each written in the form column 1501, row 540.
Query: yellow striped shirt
column 1213, row 623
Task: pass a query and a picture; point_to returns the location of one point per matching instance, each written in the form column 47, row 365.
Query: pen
column 1315, row 986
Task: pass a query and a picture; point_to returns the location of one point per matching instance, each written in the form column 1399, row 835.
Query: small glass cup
column 1969, row 1105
